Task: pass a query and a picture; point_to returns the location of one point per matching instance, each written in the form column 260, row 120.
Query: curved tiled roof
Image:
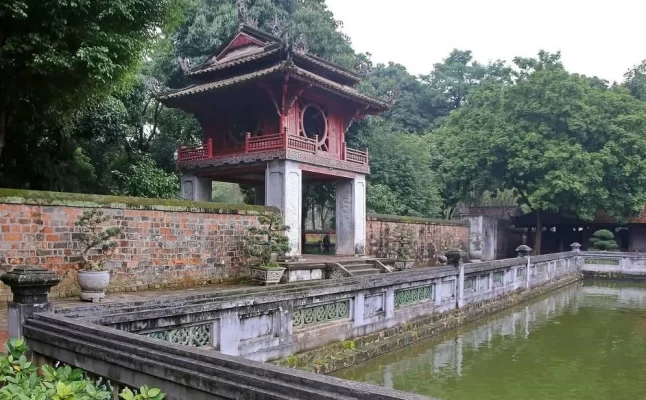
column 218, row 66
column 206, row 87
column 343, row 90
column 292, row 70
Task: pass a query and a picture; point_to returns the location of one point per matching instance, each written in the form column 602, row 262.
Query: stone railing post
column 524, row 251
column 576, row 247
column 30, row 287
column 456, row 257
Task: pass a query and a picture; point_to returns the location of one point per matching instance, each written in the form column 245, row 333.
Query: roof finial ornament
column 243, row 14
column 276, row 27
column 301, row 45
column 184, row 64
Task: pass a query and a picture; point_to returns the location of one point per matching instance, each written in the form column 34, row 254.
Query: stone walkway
column 121, row 298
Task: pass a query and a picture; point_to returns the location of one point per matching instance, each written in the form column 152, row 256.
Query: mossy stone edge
column 81, row 200
column 415, row 220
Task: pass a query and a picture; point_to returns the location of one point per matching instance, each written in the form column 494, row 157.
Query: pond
column 586, row 341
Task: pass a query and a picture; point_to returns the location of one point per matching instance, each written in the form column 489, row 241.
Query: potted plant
column 97, row 247
column 266, row 243
column 401, row 240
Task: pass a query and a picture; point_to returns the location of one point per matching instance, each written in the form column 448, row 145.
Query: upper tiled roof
column 206, row 87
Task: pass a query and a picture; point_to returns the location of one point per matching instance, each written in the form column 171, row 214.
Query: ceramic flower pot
column 93, row 284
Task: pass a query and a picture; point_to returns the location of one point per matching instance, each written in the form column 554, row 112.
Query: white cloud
column 602, row 38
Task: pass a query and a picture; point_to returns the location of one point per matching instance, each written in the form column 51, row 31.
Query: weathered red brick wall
column 430, row 237
column 166, row 244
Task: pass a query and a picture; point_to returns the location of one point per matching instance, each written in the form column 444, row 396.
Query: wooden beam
column 297, row 95
column 272, row 96
column 354, row 117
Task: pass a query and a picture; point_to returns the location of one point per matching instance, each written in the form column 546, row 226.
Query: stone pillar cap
column 30, row 275
column 523, row 250
column 30, row 284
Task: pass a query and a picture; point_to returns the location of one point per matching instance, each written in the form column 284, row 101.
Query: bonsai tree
column 401, row 241
column 265, row 242
column 93, row 236
column 603, row 240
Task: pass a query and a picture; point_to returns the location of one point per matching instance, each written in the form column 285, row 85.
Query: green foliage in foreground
column 21, row 380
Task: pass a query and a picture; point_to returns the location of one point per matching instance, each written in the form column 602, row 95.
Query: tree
column 144, row 179
column 412, row 110
column 401, row 163
column 635, row 80
column 451, row 80
column 561, row 144
column 55, row 55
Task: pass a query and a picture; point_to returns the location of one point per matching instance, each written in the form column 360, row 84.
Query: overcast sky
column 598, row 37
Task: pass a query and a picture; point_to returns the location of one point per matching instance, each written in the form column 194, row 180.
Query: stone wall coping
column 183, row 368
column 300, row 293
column 414, row 220
column 110, row 314
column 613, row 254
column 42, row 198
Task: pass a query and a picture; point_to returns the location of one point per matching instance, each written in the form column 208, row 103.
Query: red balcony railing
column 302, row 143
column 266, row 143
column 355, row 156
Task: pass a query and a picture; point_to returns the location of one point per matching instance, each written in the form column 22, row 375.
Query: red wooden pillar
column 209, row 148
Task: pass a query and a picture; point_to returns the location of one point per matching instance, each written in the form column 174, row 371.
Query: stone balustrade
column 209, row 346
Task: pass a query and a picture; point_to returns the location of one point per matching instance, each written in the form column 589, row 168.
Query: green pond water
column 586, row 341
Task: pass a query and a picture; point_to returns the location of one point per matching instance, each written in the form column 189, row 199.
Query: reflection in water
column 582, row 342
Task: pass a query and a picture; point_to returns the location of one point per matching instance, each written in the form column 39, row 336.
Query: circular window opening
column 243, row 121
column 314, row 122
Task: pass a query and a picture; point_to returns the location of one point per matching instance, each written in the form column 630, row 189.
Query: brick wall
column 430, row 236
column 166, row 243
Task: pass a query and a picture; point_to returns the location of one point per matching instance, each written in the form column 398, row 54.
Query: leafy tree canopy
column 563, row 145
column 400, row 169
column 55, row 55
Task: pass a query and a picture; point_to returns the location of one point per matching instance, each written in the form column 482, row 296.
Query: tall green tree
column 55, row 55
column 400, row 167
column 560, row 143
column 451, row 81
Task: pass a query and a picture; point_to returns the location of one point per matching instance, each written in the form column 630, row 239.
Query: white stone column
column 196, row 188
column 351, row 215
column 283, row 189
column 460, row 294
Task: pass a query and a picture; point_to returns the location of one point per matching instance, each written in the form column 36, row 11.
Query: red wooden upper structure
column 258, row 99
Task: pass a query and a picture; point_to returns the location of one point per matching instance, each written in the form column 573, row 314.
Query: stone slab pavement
column 122, row 298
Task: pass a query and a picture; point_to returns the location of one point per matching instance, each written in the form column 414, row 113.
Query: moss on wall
column 17, row 196
column 415, row 220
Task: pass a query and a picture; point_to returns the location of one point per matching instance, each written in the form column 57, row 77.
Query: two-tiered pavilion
column 275, row 116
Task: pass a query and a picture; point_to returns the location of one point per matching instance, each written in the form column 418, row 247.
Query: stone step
column 358, row 261
column 353, row 267
column 363, row 272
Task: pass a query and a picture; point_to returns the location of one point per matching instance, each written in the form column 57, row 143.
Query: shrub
column 262, row 242
column 92, row 236
column 603, row 240
column 20, row 379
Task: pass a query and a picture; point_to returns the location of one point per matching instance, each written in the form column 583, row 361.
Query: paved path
column 122, row 298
